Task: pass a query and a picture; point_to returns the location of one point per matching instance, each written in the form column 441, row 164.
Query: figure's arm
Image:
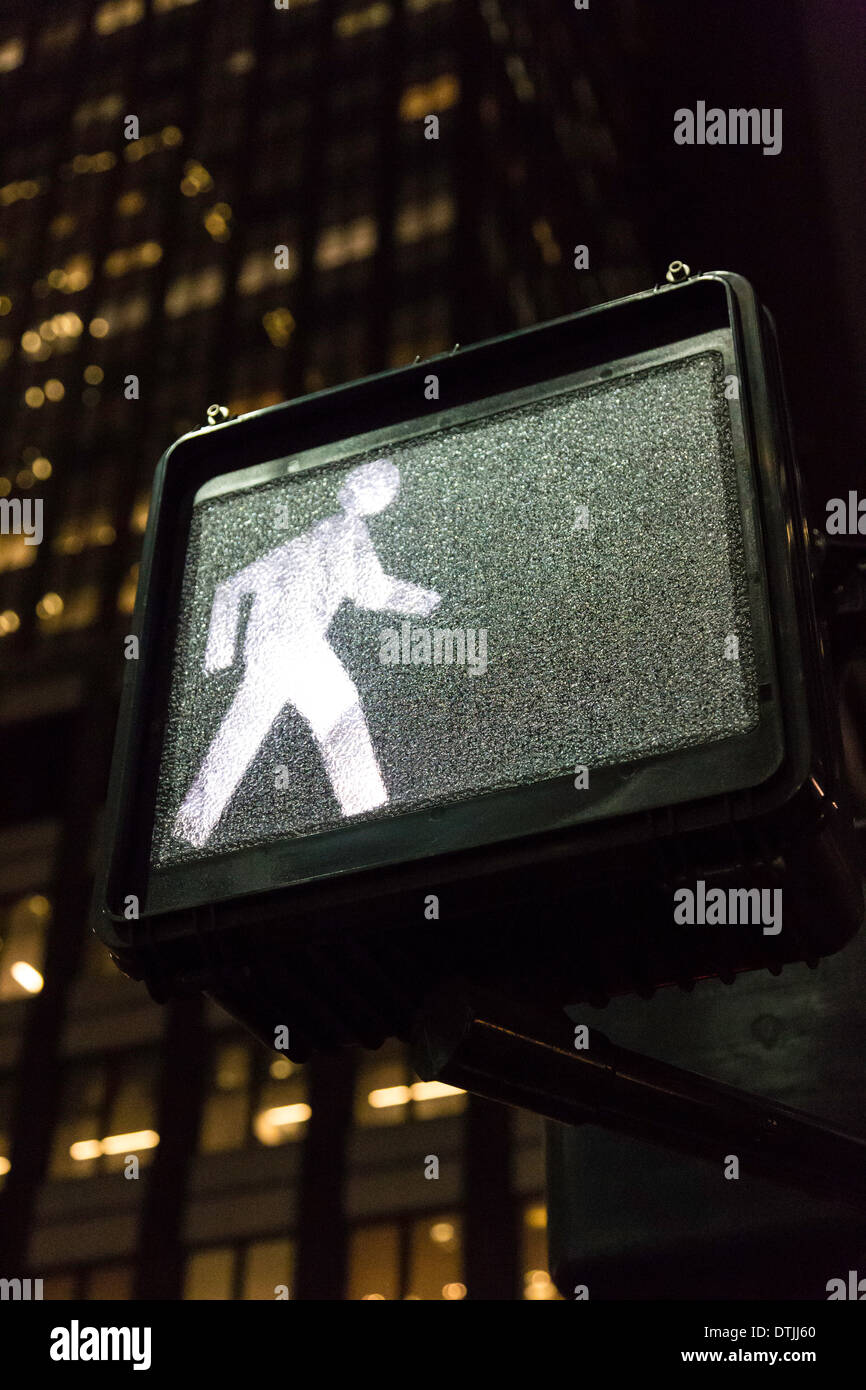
column 382, row 593
column 220, row 650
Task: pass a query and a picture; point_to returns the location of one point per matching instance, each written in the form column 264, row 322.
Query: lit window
column 11, row 54
column 62, row 226
column 434, row 1259
column 79, row 533
column 127, row 258
column 268, row 1266
column 217, row 220
column 128, row 204
column 550, row 249
column 225, row 1116
column 242, row 61
column 352, row 242
column 164, row 139
column 537, row 1283
column 520, row 79
column 22, row 930
column 78, row 610
column 209, row 1274
column 109, row 1282
column 379, row 1073
column 91, row 1138
column 357, row 21
column 126, row 593
column 138, row 516
column 15, row 553
column 279, row 324
column 259, row 269
column 196, row 179
column 196, row 291
column 121, row 316
column 14, row 192
column 421, row 100
column 117, row 14
column 374, row 1263
column 71, row 277
column 99, row 109
column 91, row 163
column 282, row 1112
column 418, row 220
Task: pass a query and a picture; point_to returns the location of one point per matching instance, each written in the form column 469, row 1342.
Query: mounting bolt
column 215, row 413
column 677, row 270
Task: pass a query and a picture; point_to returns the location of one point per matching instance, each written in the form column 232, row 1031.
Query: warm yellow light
column 536, row 1218
column 5, row 304
column 9, row 622
column 279, row 324
column 54, row 389
column 130, row 1143
column 39, row 905
column 41, row 468
column 288, row 1114
column 434, row 1090
column 268, row 1125
column 373, row 1298
column 389, row 1095
column 30, row 341
column 5, row 1165
column 420, row 101
column 63, row 225
column 34, row 397
column 25, row 976
column 85, row 1149
column 138, row 517
column 49, row 606
column 98, row 328
column 93, row 375
column 24, row 477
column 196, row 179
column 280, row 1068
column 442, row 1232
column 454, row 1291
column 538, row 1286
column 171, row 135
column 130, row 203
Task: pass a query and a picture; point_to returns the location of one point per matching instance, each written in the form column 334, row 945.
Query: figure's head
column 370, row 488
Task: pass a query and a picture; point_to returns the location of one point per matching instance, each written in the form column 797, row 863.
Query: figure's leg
column 241, row 734
column 324, row 694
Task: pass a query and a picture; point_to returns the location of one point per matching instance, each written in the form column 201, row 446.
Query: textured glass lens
column 555, row 585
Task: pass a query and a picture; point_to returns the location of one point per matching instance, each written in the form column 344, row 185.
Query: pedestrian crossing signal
column 542, row 650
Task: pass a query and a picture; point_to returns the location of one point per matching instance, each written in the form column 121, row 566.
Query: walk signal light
column 469, row 668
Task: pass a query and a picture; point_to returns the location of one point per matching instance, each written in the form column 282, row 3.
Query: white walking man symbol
column 296, row 591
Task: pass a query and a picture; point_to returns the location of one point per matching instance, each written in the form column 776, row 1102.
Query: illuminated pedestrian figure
column 297, row 589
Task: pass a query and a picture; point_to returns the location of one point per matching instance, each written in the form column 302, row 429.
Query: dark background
column 261, row 127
